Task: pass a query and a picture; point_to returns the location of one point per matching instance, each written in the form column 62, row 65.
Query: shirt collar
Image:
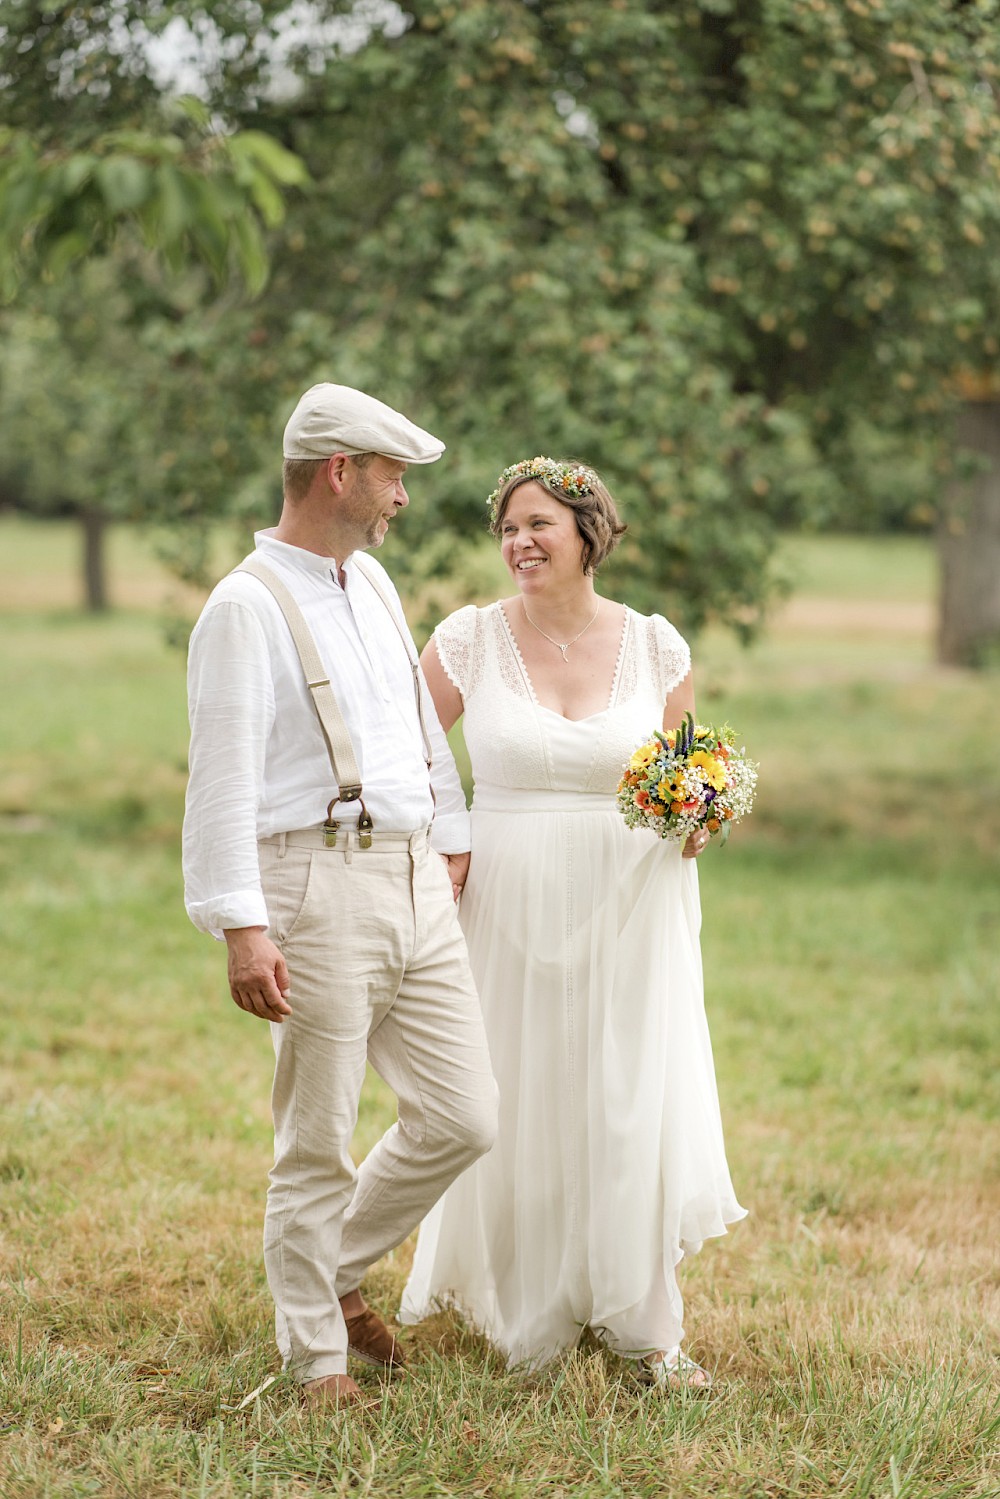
column 297, row 557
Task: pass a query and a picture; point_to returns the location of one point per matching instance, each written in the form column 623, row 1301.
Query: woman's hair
column 581, row 490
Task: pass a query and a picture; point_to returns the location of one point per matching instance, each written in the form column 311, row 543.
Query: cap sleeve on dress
column 454, row 639
column 672, row 655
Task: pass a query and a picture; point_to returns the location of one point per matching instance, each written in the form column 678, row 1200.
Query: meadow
column 851, row 932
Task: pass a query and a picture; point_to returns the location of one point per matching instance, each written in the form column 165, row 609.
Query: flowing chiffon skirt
column 610, row 1162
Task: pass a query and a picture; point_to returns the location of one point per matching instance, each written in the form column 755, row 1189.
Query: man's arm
column 449, row 707
column 451, row 832
column 231, row 705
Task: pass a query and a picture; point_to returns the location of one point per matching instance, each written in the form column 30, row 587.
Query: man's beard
column 372, row 525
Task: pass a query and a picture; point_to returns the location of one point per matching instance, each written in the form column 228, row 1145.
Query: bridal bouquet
column 688, row 778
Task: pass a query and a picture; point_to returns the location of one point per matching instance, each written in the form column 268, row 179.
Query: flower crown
column 571, row 478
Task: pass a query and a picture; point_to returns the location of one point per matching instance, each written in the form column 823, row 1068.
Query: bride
column 583, row 935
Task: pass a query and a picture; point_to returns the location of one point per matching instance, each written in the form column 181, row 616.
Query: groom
column 338, row 913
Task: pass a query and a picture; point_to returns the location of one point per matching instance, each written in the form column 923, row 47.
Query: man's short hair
column 297, row 474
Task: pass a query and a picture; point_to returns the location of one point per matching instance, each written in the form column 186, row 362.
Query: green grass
column 850, row 937
column 887, row 568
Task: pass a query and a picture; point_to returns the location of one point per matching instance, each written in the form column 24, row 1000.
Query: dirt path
column 838, row 615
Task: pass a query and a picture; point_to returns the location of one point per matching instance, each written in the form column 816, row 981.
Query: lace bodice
column 515, row 743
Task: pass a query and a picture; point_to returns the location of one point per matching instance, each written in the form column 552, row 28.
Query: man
column 338, row 914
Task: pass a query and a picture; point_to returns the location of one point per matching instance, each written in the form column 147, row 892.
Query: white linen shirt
column 259, row 763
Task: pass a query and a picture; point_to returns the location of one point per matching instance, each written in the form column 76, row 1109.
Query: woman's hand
column 457, row 866
column 696, row 843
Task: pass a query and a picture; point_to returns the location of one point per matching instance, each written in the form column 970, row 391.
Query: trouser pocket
column 286, row 878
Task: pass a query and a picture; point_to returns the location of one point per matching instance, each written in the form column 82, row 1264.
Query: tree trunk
column 969, row 546
column 95, row 525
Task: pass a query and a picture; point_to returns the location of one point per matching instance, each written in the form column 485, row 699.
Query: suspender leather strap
column 335, row 732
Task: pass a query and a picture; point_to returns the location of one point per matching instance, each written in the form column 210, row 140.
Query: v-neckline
column 542, row 707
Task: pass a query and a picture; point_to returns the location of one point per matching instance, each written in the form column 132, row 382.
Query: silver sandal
column 674, row 1372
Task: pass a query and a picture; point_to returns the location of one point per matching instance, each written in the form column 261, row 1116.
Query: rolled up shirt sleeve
column 451, row 829
column 232, row 709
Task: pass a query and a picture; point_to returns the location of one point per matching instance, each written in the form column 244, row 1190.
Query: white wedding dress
column 583, row 935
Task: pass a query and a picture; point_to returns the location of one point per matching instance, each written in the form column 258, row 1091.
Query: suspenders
column 338, row 740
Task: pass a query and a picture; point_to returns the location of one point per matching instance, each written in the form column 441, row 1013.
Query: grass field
column 851, row 938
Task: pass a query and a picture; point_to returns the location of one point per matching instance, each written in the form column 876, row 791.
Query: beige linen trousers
column 378, row 972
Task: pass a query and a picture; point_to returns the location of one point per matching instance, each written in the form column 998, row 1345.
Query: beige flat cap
column 336, row 419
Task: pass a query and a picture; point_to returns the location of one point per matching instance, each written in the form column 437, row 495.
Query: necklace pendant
column 558, row 644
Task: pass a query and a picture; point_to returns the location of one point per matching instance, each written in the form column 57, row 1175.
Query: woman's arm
column 447, row 698
column 679, row 702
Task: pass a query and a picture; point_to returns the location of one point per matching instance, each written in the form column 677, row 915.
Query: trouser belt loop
column 349, row 847
column 281, row 845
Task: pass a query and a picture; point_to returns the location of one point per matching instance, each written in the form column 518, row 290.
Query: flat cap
column 336, row 419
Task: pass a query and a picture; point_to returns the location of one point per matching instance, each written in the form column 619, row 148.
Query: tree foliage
column 207, row 201
column 691, row 242
column 119, row 211
column 727, row 252
column 88, row 147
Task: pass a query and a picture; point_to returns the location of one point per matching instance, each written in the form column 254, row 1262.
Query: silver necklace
column 563, row 648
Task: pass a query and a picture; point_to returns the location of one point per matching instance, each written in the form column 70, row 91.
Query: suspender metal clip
column 365, row 823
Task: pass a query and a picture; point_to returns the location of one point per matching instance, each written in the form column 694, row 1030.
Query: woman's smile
column 531, row 517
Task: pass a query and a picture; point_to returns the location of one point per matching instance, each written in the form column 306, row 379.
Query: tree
column 695, row 243
column 707, row 246
column 93, row 164
column 969, row 536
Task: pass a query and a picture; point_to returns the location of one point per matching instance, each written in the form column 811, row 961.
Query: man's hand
column 258, row 975
column 457, row 866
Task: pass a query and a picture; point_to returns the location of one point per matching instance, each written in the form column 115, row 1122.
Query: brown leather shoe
column 370, row 1340
column 332, row 1389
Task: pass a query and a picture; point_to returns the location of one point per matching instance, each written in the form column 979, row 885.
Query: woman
column 583, row 935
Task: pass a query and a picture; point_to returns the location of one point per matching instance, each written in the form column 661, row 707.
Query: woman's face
column 539, row 540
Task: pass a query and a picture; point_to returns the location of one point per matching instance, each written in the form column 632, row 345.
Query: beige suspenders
column 410, row 656
column 338, row 740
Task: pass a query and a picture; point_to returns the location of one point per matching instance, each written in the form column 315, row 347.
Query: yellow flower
column 643, row 756
column 712, row 769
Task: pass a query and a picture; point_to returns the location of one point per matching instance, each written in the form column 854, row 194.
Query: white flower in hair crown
column 571, row 478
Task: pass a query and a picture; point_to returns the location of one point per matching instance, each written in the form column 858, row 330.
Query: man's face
column 371, row 498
